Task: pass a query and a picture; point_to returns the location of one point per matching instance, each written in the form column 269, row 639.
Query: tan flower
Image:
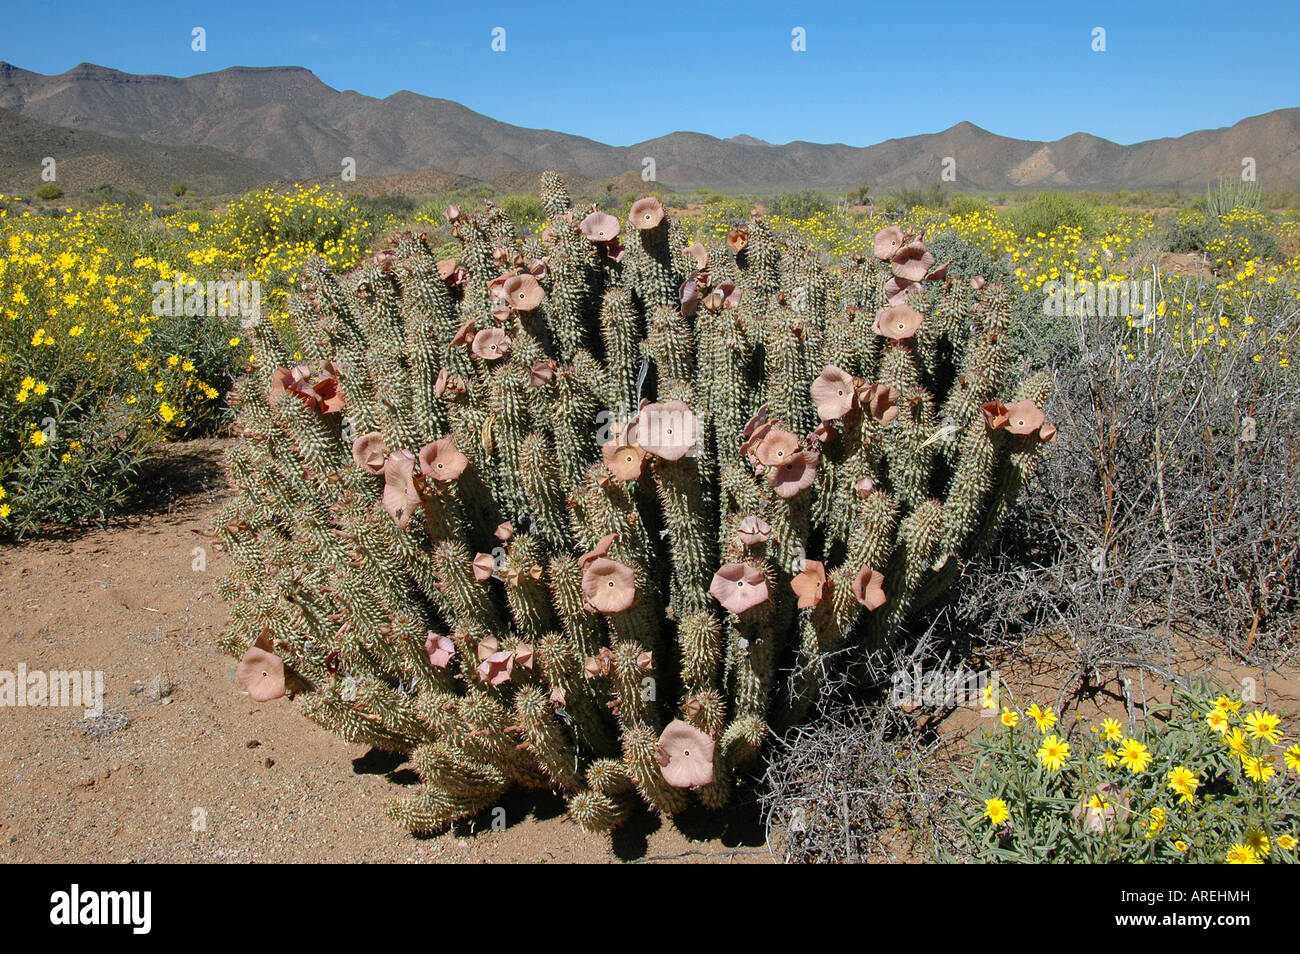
column 739, row 587
column 369, row 451
column 809, row 584
column 668, row 430
column 753, row 530
column 887, row 242
column 261, row 673
column 491, row 344
column 400, row 498
column 796, row 474
column 898, row 322
column 646, row 213
column 833, row 393
column 868, row 587
column 600, row 227
column 608, row 587
column 685, row 755
column 524, row 292
column 442, row 461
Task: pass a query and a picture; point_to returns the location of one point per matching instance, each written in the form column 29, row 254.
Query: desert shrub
column 267, row 236
column 891, row 206
column 526, row 211
column 385, row 207
column 1046, row 212
column 962, row 203
column 932, row 197
column 90, row 379
column 48, row 191
column 1201, row 780
column 1190, row 230
column 179, row 189
column 859, row 784
column 108, row 194
column 799, row 205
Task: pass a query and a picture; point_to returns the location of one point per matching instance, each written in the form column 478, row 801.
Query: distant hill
column 284, row 123
column 86, row 159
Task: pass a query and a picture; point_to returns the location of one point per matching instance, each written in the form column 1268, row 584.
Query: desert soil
column 181, row 747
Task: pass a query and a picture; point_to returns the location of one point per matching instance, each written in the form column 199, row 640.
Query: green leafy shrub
column 1048, row 211
column 1202, row 781
column 48, row 191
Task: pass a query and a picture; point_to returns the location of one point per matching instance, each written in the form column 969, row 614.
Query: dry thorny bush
column 1167, row 518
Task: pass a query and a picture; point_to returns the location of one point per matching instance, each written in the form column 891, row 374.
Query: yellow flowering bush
column 1205, row 779
column 267, row 235
column 90, row 377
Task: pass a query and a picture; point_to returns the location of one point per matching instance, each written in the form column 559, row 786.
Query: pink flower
column 442, row 461
column 601, row 664
column 496, row 669
column 912, row 261
column 996, row 414
column 739, row 587
column 599, row 550
column 439, row 649
column 483, row 566
column 898, row 322
column 833, row 393
column 646, row 213
column 700, row 254
column 400, row 497
column 524, row 292
column 464, row 334
column 868, row 587
column 685, row 755
column 600, row 227
column 881, row 402
column 723, row 295
column 369, row 451
column 754, row 530
column 261, row 672
column 887, row 242
column 809, row 583
column 608, row 587
column 623, row 460
column 864, row 487
column 541, row 372
column 491, row 344
column 669, row 430
column 1024, row 417
column 795, row 475
column 775, row 447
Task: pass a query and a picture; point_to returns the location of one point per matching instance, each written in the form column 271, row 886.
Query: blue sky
column 624, row 72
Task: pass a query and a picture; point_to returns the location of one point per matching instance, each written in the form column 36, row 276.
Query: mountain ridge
column 287, row 121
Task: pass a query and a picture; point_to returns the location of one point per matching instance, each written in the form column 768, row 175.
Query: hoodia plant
column 588, row 511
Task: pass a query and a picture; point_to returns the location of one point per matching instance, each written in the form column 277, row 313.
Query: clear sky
column 623, row 72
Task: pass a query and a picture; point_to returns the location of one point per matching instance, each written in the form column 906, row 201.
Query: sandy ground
column 262, row 783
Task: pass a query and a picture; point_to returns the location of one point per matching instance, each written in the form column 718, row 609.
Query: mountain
column 285, row 122
column 86, row 159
